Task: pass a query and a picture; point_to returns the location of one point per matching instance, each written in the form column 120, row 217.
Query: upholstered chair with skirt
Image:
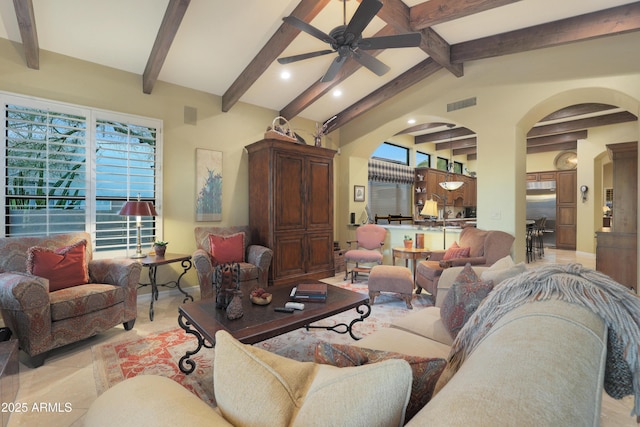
column 220, row 245
column 53, row 293
column 480, row 247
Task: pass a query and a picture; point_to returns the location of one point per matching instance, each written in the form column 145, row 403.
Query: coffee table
column 260, row 322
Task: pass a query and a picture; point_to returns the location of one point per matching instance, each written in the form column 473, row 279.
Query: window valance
column 390, row 172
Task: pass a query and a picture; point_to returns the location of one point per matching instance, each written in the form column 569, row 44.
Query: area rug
column 159, row 353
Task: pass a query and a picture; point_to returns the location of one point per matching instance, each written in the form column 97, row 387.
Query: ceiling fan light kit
column 346, row 40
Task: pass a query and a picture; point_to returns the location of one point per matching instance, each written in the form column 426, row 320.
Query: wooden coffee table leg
column 364, row 310
column 185, row 364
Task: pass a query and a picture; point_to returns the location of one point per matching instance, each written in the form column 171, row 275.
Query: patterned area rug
column 159, row 353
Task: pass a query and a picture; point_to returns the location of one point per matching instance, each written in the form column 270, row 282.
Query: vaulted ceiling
column 229, row 48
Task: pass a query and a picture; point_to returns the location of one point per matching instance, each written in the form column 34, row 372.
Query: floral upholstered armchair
column 53, row 293
column 219, row 245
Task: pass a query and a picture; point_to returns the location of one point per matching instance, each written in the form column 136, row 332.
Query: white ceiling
column 218, row 38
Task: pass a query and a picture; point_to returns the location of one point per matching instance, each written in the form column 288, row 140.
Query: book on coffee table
column 311, row 292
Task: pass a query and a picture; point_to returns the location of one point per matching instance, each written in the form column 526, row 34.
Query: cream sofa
column 541, row 364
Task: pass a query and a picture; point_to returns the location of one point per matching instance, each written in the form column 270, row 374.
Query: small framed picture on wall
column 358, row 193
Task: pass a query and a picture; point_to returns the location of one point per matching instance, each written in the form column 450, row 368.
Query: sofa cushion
column 226, row 249
column 63, row 267
column 462, row 300
column 455, row 251
column 255, row 387
column 401, row 341
column 82, row 299
column 425, row 370
column 426, row 323
column 498, row 275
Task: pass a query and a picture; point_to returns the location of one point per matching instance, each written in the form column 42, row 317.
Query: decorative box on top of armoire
column 291, row 208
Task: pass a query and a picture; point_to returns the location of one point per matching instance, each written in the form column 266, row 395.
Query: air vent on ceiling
column 458, row 105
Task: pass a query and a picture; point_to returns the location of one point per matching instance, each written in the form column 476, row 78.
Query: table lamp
column 138, row 209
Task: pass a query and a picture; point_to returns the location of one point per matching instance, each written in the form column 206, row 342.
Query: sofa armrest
column 26, row 310
column 114, row 271
column 204, row 268
column 436, row 255
column 461, row 262
column 261, row 257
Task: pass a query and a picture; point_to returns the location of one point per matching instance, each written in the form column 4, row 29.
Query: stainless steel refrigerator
column 541, row 203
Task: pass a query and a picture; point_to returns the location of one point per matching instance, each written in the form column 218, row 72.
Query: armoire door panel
column 320, row 256
column 289, row 255
column 320, row 194
column 289, row 200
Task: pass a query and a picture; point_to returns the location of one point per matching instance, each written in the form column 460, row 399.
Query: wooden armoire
column 291, row 208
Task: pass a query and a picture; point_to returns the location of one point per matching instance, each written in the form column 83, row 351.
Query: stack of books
column 310, row 292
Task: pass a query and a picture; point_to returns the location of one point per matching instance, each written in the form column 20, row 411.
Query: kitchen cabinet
column 427, row 181
column 291, row 208
column 617, row 248
column 566, row 209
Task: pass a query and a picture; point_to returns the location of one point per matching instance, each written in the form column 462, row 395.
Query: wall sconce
column 584, row 189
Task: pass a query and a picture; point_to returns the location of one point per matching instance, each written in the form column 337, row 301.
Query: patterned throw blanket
column 618, row 308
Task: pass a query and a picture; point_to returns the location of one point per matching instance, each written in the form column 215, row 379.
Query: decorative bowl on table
column 259, row 296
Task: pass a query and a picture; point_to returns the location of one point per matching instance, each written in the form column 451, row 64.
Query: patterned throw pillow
column 426, row 371
column 63, row 267
column 462, row 300
column 226, row 249
column 455, row 252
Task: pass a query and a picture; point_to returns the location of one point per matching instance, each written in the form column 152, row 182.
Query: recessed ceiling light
column 285, row 75
column 411, row 121
column 337, row 93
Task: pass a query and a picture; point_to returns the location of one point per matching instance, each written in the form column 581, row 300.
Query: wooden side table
column 153, row 262
column 413, row 254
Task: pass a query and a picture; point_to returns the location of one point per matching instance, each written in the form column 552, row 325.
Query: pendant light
column 446, row 184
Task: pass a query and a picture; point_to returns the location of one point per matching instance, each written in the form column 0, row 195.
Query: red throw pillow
column 64, row 267
column 227, row 248
column 455, row 251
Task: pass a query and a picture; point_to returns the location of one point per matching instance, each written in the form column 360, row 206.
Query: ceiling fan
column 347, row 40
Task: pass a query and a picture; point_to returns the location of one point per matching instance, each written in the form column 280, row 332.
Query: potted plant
column 408, row 241
column 160, row 247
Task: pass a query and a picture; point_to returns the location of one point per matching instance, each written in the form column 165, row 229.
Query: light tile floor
column 67, row 375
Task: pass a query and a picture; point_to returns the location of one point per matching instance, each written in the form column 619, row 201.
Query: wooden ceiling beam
column 444, row 135
column 458, row 143
column 28, row 32
column 305, row 10
column 557, row 139
column 608, row 119
column 167, row 32
column 617, row 20
column 389, row 90
column 396, row 14
column 577, row 110
column 421, row 127
column 435, row 12
column 463, row 151
column 319, row 89
column 572, row 145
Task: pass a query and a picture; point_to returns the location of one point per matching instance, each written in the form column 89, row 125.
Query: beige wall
column 65, row 79
column 513, row 93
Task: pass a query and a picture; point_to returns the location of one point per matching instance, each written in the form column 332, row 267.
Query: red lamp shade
column 138, row 208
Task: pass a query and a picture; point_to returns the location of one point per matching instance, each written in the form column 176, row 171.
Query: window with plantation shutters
column 70, row 168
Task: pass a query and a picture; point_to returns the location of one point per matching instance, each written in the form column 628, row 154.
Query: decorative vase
column 160, row 249
column 234, row 309
column 318, row 141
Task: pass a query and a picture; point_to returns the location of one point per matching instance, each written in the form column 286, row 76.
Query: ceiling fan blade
column 386, row 42
column 309, row 29
column 364, row 14
column 371, row 62
column 334, row 68
column 294, row 58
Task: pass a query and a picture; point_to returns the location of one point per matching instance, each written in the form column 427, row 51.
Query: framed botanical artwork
column 208, row 185
column 358, row 193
